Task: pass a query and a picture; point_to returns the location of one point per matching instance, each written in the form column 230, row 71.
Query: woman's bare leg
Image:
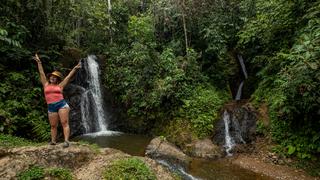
column 64, row 119
column 53, row 119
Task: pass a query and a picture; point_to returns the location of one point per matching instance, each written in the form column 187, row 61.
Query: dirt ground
column 261, row 160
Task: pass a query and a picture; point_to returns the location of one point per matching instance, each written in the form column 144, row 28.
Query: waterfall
column 229, row 142
column 92, row 107
column 239, row 92
column 243, row 67
column 244, row 71
column 233, row 129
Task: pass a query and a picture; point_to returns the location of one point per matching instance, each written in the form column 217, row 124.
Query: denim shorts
column 54, row 107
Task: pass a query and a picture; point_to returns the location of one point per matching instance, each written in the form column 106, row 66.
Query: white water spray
column 244, row 71
column 180, row 170
column 93, row 91
column 229, row 142
column 239, row 92
column 243, row 67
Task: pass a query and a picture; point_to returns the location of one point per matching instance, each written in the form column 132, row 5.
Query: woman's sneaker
column 65, row 144
column 52, row 143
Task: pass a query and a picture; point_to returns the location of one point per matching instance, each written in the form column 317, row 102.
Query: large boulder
column 161, row 149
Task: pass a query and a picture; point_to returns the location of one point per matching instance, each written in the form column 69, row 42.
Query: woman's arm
column 69, row 76
column 43, row 78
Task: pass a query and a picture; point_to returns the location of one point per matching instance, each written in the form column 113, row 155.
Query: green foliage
column 17, row 107
column 23, row 30
column 131, row 168
column 36, row 172
column 140, row 29
column 33, row 173
column 12, row 141
column 290, row 76
column 262, row 129
column 60, row 173
column 146, row 82
column 201, row 108
column 3, row 37
column 273, row 20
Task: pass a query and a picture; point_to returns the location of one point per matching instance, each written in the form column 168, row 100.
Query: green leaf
column 291, row 150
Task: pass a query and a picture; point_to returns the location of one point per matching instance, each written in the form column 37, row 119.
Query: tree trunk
column 184, row 24
column 110, row 29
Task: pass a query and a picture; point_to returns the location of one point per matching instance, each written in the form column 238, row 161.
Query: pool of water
column 199, row 169
column 129, row 143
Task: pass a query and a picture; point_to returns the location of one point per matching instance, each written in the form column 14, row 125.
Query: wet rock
column 204, row 149
column 73, row 94
column 164, row 150
column 242, row 126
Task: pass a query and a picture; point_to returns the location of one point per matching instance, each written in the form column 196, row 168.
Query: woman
column 57, row 106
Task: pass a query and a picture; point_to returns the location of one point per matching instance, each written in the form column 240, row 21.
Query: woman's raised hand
column 78, row 66
column 36, row 58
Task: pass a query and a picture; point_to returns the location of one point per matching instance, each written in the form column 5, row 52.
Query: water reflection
column 129, row 143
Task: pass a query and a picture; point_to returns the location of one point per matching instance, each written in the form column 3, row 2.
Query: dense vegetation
column 170, row 63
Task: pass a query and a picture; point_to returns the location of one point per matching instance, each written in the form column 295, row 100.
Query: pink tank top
column 53, row 93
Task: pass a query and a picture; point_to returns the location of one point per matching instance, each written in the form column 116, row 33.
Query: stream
column 198, row 169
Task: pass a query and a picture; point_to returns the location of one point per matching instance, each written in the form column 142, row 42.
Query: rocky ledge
column 84, row 161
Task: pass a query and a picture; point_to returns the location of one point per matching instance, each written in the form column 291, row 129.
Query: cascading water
column 233, row 130
column 244, row 71
column 92, row 107
column 239, row 92
column 229, row 142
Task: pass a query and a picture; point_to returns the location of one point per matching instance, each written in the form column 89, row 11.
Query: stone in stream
column 163, row 150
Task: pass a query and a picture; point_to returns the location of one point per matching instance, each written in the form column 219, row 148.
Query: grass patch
column 12, row 141
column 130, row 168
column 38, row 173
column 34, row 173
column 60, row 173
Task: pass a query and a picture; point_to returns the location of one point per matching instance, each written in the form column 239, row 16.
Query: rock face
column 84, row 162
column 162, row 149
column 204, row 149
column 242, row 126
column 73, row 94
